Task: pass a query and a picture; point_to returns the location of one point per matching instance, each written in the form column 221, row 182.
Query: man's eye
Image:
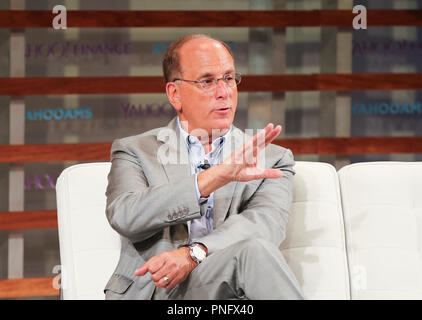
column 207, row 81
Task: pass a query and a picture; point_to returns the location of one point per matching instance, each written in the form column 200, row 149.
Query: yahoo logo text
column 385, row 108
column 386, row 47
column 148, row 110
column 69, row 49
column 45, row 181
column 58, row 114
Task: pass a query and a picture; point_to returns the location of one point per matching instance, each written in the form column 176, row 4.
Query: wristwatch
column 197, row 253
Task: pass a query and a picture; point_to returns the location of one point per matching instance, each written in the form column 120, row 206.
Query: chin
column 222, row 123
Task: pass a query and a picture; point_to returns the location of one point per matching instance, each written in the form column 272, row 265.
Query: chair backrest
column 382, row 205
column 89, row 247
column 315, row 246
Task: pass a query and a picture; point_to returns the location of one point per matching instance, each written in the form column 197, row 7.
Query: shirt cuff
column 201, row 200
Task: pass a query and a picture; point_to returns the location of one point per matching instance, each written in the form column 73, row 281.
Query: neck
column 206, row 137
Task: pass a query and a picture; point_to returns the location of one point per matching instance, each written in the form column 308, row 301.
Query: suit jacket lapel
column 179, row 167
column 224, row 196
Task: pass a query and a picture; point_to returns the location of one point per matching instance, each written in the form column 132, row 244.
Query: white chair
column 382, row 231
column 89, row 247
column 315, row 245
column 382, row 205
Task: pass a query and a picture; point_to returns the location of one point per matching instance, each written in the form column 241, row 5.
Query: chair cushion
column 89, row 247
column 382, row 203
column 314, row 245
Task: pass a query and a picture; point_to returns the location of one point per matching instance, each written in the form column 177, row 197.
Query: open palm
column 242, row 163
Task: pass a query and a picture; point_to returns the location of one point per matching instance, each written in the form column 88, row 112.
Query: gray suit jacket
column 149, row 203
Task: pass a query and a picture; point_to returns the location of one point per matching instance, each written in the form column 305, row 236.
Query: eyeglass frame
column 200, row 82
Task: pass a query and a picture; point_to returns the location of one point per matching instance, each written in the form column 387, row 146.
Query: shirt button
column 191, row 139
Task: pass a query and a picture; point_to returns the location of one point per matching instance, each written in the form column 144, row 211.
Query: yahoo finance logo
column 144, row 110
column 387, row 108
column 58, row 114
column 68, row 49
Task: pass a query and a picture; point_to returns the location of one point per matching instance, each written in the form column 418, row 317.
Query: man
column 196, row 224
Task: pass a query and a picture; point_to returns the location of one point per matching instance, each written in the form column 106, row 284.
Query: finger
column 156, row 263
column 157, row 276
column 271, row 136
column 258, row 173
column 263, row 143
column 175, row 278
column 249, row 150
column 142, row 270
column 264, row 135
column 152, row 265
column 161, row 282
column 276, row 131
column 273, row 173
column 260, row 136
column 172, row 284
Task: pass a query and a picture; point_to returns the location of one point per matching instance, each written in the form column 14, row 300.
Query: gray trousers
column 252, row 269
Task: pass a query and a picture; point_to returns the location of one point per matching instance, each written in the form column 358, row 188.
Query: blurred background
column 351, row 117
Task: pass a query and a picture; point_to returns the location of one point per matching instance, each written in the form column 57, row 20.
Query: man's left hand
column 176, row 265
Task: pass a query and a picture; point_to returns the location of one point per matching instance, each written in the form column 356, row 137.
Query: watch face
column 198, row 252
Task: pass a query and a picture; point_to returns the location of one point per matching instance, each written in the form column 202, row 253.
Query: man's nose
column 222, row 89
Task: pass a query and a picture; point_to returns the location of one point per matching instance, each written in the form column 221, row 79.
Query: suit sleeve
column 137, row 210
column 265, row 214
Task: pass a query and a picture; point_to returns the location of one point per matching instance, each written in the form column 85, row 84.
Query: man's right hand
column 241, row 165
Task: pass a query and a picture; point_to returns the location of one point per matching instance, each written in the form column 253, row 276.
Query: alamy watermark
column 60, row 21
column 59, row 281
column 359, row 278
column 360, row 20
column 248, row 150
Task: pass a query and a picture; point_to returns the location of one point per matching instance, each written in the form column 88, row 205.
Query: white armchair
column 352, row 234
column 89, row 247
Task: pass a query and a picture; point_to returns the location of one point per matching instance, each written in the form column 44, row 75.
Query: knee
column 258, row 248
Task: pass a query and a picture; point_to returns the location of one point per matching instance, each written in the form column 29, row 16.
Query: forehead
column 204, row 56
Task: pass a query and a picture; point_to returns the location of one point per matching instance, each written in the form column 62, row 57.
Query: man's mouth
column 222, row 110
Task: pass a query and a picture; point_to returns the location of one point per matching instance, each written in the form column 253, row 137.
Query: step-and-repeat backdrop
column 139, row 52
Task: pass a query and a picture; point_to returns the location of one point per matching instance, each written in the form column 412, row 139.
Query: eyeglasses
column 230, row 79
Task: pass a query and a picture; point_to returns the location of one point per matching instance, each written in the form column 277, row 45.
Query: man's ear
column 173, row 95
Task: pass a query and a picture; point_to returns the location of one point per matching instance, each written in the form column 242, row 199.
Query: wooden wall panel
column 353, row 145
column 300, row 146
column 21, row 220
column 81, row 85
column 250, row 83
column 55, row 152
column 226, row 18
column 27, row 287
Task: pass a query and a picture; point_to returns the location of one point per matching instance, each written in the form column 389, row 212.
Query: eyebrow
column 208, row 74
